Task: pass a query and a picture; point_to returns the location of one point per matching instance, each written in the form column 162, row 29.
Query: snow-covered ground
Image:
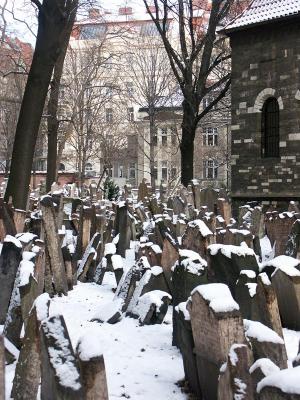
column 140, row 361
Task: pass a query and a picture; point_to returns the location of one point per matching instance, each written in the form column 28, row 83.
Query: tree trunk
column 188, row 126
column 52, row 22
column 53, row 123
column 151, row 145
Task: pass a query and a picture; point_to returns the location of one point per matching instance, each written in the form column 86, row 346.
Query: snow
column 193, row 262
column 268, row 252
column 240, row 391
column 110, row 248
column 285, row 263
column 260, row 332
column 146, row 300
column 88, row 346
column 156, row 270
column 26, row 237
column 62, row 360
column 109, row 310
column 252, row 288
column 249, row 273
column 291, row 339
column 266, row 365
column 228, row 250
column 219, row 297
column 12, row 239
column 41, row 305
column 232, row 354
column 203, row 229
column 117, row 261
column 287, row 380
column 263, row 11
column 156, row 248
column 265, row 279
column 182, row 307
column 140, row 361
column 26, row 270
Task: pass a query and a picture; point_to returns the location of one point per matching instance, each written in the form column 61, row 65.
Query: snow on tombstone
column 197, row 237
column 286, row 282
column 235, row 380
column 216, row 324
column 92, row 366
column 60, row 373
column 265, row 343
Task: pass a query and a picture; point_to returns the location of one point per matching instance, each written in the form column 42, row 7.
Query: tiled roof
column 262, row 11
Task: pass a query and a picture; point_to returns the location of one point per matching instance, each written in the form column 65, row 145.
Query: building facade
column 265, row 42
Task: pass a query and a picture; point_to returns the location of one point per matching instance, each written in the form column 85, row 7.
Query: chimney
column 94, row 13
column 125, row 11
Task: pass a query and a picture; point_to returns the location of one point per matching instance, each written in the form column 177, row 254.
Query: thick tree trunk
column 152, row 148
column 53, row 123
column 188, row 126
column 52, row 21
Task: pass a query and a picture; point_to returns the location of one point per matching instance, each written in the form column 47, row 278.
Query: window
column 173, row 172
column 164, row 170
column 206, row 102
column 92, row 31
column 121, row 171
column 210, row 136
column 130, row 114
column 109, row 91
column 270, row 128
column 129, row 89
column 132, row 170
column 109, row 115
column 88, row 167
column 164, row 136
column 61, row 167
column 149, row 29
column 210, row 169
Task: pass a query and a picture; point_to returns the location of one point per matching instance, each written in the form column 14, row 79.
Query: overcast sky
column 23, row 10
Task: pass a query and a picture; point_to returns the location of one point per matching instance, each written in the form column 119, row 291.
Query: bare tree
column 153, row 85
column 93, row 106
column 53, row 28
column 199, row 61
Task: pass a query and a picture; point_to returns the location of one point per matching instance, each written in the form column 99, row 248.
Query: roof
column 264, row 11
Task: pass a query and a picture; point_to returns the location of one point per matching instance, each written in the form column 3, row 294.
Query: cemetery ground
column 149, row 297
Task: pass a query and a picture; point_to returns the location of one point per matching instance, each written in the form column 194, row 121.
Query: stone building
column 265, row 42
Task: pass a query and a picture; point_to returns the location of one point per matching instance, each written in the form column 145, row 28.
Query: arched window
column 270, row 128
column 88, row 167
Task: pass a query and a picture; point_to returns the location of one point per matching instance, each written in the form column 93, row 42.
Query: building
column 115, row 136
column 265, row 42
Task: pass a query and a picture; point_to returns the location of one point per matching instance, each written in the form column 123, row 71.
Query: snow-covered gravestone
column 224, row 208
column 123, row 228
column 152, row 251
column 217, row 324
column 9, row 262
column 286, row 282
column 235, row 380
column 92, row 367
column 189, row 272
column 245, row 292
column 293, row 243
column 152, row 307
column 60, row 378
column 262, row 368
column 225, row 263
column 83, row 273
column 197, row 237
column 278, row 229
column 143, row 191
column 2, row 368
column 28, row 372
column 53, row 245
column 266, row 343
